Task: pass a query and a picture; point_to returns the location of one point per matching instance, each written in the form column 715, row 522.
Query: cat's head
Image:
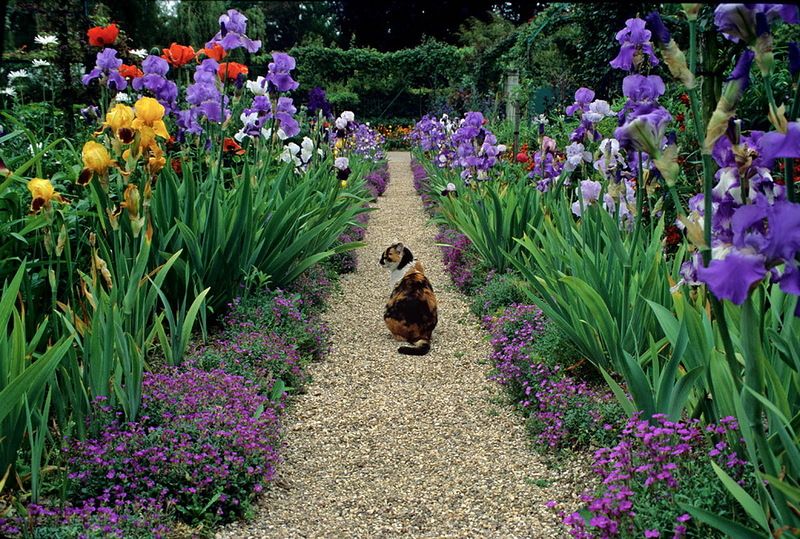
column 396, row 256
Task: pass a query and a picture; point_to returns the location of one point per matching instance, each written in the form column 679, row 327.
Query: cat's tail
column 420, row 347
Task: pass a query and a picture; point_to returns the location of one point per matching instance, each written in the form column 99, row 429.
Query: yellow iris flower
column 42, row 193
column 149, row 121
column 119, row 118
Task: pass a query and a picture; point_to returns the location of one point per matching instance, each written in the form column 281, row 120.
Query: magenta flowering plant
column 206, row 442
column 656, row 467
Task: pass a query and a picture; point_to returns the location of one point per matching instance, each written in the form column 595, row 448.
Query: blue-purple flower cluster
column 468, row 146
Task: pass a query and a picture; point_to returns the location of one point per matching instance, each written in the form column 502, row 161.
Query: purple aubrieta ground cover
column 655, row 466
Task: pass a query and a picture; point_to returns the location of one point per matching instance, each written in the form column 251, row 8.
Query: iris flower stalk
column 708, row 184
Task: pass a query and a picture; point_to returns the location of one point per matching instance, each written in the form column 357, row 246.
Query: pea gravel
column 385, row 445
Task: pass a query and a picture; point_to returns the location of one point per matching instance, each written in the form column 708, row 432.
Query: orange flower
column 178, row 55
column 101, row 36
column 216, row 52
column 230, row 146
column 130, row 72
column 231, row 70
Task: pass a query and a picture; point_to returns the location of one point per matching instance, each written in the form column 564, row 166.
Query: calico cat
column 411, row 312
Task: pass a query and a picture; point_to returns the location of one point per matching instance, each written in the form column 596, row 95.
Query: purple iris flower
column 231, row 35
column 165, row 91
column 765, row 234
column 775, row 144
column 741, row 71
column 794, row 58
column 732, row 277
column 317, row 100
column 284, row 113
column 645, row 131
column 634, row 39
column 279, row 70
column 107, row 64
column 656, row 25
column 739, row 22
column 204, row 95
column 643, row 89
column 583, row 97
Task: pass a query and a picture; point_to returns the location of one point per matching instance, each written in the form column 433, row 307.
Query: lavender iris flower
column 645, row 132
column 205, row 96
column 739, row 22
column 284, row 113
column 635, row 46
column 643, row 89
column 165, row 91
column 590, row 194
column 107, row 64
column 583, row 97
column 231, row 35
column 279, row 72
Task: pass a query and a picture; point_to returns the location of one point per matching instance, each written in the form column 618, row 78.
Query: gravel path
column 385, row 445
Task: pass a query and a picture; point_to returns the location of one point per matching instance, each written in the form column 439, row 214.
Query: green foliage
column 380, row 84
column 501, row 290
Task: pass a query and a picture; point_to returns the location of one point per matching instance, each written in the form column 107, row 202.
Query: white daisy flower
column 41, row 63
column 46, row 39
column 122, row 98
column 9, row 92
column 18, row 74
column 140, row 53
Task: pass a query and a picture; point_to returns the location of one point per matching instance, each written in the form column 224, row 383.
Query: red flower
column 673, row 235
column 102, row 36
column 178, row 55
column 231, row 70
column 230, row 146
column 684, row 99
column 130, row 72
column 522, row 157
column 680, row 118
column 177, row 165
column 216, row 52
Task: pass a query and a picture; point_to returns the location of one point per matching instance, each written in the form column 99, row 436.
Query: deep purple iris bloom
column 317, row 100
column 656, row 25
column 739, row 22
column 231, row 35
column 165, row 91
column 278, row 75
column 634, row 39
column 107, row 64
column 583, row 97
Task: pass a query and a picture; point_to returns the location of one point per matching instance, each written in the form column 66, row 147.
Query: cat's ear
column 399, row 246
